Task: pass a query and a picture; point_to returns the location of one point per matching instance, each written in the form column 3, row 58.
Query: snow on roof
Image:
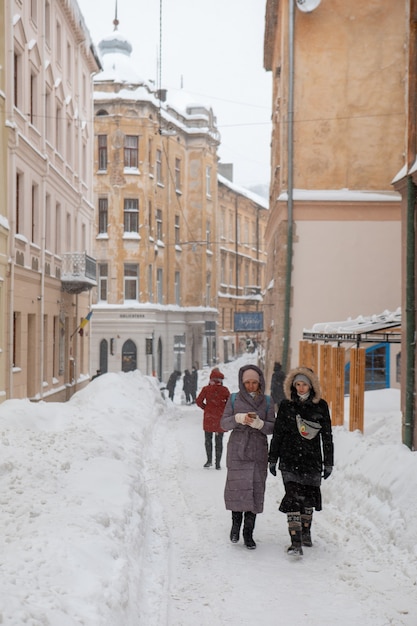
column 243, row 192
column 357, row 326
column 342, row 195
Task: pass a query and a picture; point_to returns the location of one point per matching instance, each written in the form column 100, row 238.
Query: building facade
column 242, row 259
column 155, row 167
column 334, row 232
column 48, row 210
column 4, row 224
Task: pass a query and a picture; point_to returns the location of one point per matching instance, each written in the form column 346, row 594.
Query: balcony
column 78, row 272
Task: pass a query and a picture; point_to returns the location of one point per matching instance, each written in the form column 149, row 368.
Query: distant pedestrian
column 172, row 381
column 212, row 399
column 250, row 416
column 302, row 444
column 194, row 383
column 277, row 384
column 187, row 385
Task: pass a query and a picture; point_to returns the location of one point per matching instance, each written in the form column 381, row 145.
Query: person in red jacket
column 212, row 399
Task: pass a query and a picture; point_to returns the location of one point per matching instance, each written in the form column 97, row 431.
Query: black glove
column 327, row 471
column 273, row 469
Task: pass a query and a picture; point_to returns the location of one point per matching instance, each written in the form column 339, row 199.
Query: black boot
column 294, row 528
column 237, row 517
column 218, row 440
column 209, row 449
column 248, row 526
column 306, row 520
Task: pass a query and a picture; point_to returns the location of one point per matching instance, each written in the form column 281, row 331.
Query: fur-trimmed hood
column 289, row 389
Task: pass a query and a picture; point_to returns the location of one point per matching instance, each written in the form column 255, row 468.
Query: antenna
column 307, row 6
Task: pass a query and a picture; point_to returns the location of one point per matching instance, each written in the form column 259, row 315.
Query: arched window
column 104, row 351
column 129, row 356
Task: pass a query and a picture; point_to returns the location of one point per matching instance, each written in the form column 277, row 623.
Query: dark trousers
column 218, row 443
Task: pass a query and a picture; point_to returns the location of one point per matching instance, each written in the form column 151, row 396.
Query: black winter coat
column 295, row 452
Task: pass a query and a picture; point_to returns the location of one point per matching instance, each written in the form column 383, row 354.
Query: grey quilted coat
column 247, row 448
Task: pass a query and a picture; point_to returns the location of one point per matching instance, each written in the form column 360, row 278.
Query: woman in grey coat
column 250, row 416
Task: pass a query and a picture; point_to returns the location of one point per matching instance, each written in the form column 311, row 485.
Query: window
column 33, row 98
column 159, row 224
column 131, row 215
column 208, row 234
column 223, row 269
column 34, row 214
column 246, row 274
column 48, row 115
column 131, row 151
column 131, row 275
column 58, row 43
column 102, row 281
column 103, row 209
column 69, row 136
column 177, row 174
column 150, row 218
column 159, row 295
column 17, row 323
column 69, row 62
column 208, row 181
column 19, row 208
column 34, row 11
column 48, row 217
column 150, row 158
column 177, row 230
column 17, row 80
column 159, row 166
column 48, row 23
column 208, row 288
column 150, row 283
column 58, row 123
column 177, row 288
column 102, row 152
column 58, row 228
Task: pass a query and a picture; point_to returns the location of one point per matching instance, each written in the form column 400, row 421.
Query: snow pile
column 109, row 519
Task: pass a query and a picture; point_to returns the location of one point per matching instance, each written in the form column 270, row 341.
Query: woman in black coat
column 302, row 442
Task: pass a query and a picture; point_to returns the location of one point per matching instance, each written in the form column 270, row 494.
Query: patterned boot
column 294, row 528
column 306, row 520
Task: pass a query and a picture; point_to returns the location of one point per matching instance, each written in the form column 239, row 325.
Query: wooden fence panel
column 326, row 372
column 338, row 386
column 357, row 388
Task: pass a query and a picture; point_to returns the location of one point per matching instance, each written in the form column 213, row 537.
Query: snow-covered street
column 109, row 519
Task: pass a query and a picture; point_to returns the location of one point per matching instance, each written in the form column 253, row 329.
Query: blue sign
column 249, row 322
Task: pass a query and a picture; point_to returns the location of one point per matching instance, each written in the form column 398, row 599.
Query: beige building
column 48, row 209
column 4, row 225
column 241, row 256
column 155, row 167
column 334, row 233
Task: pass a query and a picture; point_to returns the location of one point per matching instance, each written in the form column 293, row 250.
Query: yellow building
column 334, row 233
column 4, row 224
column 155, row 168
column 49, row 208
column 241, row 256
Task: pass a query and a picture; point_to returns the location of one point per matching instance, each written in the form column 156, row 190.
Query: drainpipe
column 290, row 157
column 408, row 426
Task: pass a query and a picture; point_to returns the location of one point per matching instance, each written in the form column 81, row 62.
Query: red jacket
column 212, row 399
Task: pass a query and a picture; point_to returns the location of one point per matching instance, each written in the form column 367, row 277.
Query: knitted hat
column 250, row 375
column 302, row 379
column 216, row 374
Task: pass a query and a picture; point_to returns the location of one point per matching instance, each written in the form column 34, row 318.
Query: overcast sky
column 213, row 50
